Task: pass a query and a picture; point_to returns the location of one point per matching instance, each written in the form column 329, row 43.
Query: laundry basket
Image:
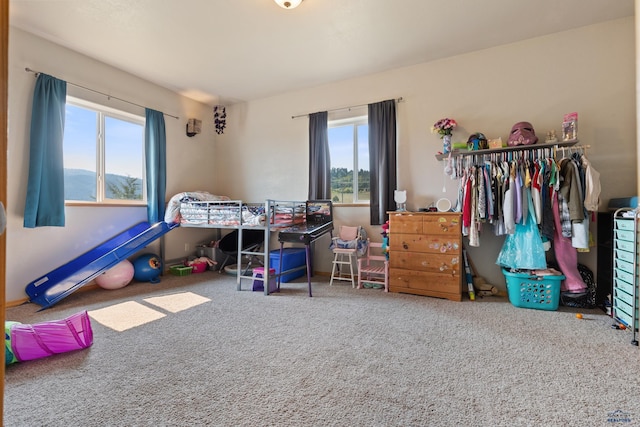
column 533, row 291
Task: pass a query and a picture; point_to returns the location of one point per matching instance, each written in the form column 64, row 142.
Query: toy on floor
column 483, row 288
column 118, row 276
column 200, row 264
column 27, row 342
column 60, row 282
column 147, row 268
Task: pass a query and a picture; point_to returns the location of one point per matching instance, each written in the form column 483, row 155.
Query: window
column 349, row 151
column 103, row 152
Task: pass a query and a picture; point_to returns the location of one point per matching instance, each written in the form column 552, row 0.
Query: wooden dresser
column 425, row 254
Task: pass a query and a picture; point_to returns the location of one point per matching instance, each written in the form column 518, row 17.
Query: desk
column 319, row 221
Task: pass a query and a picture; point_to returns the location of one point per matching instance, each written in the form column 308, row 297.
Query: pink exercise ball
column 117, row 276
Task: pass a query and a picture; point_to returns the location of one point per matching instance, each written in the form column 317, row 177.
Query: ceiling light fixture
column 288, row 4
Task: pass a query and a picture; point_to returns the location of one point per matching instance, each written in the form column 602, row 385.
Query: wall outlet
column 187, row 247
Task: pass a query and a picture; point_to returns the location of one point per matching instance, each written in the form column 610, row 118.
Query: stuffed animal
column 202, row 260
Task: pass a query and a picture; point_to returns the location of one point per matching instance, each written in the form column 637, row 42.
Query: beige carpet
column 193, row 351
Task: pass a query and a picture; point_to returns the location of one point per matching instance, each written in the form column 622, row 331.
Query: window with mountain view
column 349, row 152
column 103, row 154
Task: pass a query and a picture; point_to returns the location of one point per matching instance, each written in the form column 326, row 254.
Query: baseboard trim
column 88, row 287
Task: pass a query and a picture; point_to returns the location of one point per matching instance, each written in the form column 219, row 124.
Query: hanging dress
column 566, row 255
column 523, row 250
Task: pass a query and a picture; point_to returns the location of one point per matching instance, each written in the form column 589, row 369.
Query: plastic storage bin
column 258, row 285
column 180, row 270
column 291, row 258
column 533, row 291
column 199, row 267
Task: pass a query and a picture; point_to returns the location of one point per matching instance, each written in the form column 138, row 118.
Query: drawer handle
column 444, row 227
column 405, row 245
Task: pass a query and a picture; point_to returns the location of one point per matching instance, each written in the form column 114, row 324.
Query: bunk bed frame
column 270, row 216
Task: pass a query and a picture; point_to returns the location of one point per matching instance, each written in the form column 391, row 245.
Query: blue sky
column 124, row 141
column 341, row 147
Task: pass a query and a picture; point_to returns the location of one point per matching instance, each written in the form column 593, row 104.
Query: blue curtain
column 382, row 159
column 155, row 140
column 44, row 204
column 319, row 160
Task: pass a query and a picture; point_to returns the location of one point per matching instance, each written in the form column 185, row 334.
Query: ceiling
column 227, row 51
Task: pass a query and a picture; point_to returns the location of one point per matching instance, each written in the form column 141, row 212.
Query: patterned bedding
column 202, row 209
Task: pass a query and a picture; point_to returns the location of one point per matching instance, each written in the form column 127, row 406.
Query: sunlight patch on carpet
column 126, row 315
column 175, row 303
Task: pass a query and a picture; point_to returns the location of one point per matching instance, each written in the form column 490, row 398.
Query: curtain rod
column 101, row 93
column 343, row 108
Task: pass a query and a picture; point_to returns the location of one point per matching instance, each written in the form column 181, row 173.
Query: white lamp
column 288, row 4
column 400, row 197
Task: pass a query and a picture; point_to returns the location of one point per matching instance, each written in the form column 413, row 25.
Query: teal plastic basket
column 533, row 291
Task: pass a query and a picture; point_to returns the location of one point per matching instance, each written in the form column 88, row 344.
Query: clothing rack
column 493, row 171
column 459, row 161
column 574, row 149
column 531, row 154
column 550, row 149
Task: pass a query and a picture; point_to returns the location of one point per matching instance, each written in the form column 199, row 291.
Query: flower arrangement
column 444, row 127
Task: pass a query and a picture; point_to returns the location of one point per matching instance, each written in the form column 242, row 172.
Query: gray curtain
column 44, row 205
column 382, row 159
column 319, row 160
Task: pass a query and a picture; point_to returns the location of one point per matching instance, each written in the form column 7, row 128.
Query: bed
column 201, row 209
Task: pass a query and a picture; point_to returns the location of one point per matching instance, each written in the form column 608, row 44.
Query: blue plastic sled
column 61, row 282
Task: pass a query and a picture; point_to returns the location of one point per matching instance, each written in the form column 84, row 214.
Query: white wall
column 264, row 153
column 32, row 253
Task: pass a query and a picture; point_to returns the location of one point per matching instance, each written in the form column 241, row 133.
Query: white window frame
column 354, row 122
column 102, row 112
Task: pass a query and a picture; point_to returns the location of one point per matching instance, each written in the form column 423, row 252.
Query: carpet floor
column 194, row 351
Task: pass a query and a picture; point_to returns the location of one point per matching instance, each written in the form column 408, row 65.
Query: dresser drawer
column 400, row 243
column 623, row 296
column 622, row 311
column 406, row 223
column 623, row 275
column 623, row 224
column 428, row 284
column 623, row 286
column 622, row 307
column 442, row 224
column 625, row 266
column 624, row 255
column 626, row 235
column 624, row 245
column 431, row 263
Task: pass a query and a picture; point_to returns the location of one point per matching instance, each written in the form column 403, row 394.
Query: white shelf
column 456, row 153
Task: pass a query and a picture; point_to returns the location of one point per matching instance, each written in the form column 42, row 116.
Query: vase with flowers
column 444, row 128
